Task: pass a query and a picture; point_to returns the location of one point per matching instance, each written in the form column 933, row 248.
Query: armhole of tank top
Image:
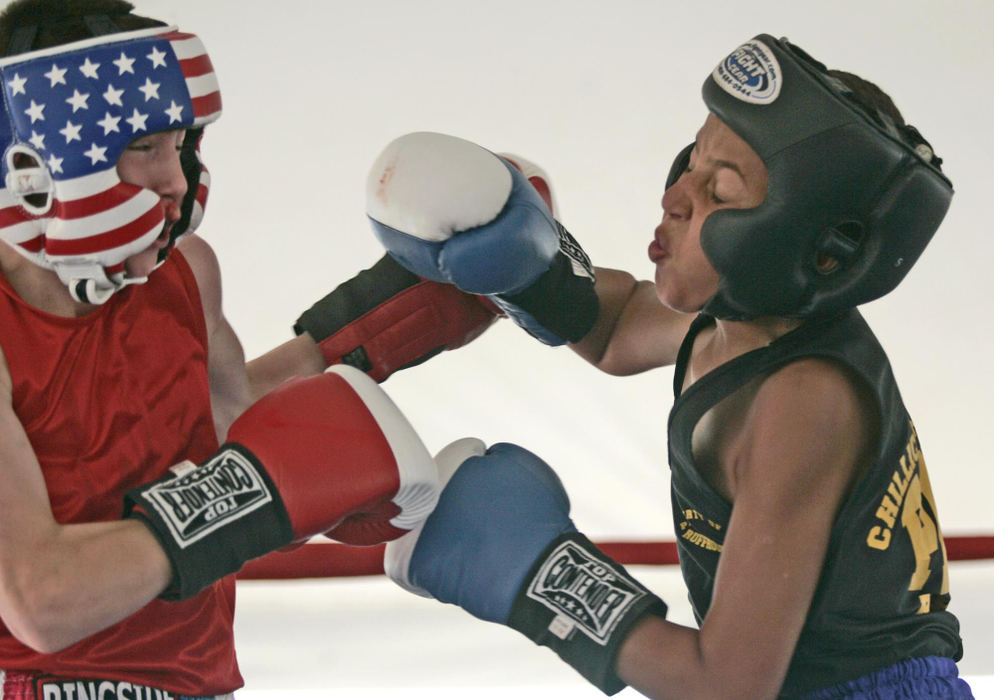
column 189, row 282
column 8, row 290
column 683, row 354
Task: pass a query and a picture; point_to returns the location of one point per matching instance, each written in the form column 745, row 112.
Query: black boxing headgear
column 845, row 183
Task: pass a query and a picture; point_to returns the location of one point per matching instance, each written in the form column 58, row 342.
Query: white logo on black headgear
column 751, row 73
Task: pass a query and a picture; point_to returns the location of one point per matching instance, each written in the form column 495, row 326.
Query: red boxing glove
column 324, row 454
column 538, row 178
column 386, row 318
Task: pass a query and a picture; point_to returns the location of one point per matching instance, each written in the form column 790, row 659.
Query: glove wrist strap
column 561, row 305
column 581, row 604
column 212, row 518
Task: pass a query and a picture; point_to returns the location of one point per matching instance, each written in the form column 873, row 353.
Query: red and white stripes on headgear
column 69, row 112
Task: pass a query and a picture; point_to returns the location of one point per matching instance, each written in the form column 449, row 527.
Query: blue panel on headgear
column 842, row 183
column 72, row 110
column 87, row 105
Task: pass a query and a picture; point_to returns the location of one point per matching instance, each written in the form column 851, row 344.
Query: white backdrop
column 602, row 95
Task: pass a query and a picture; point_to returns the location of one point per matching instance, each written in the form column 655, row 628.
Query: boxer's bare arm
column 634, row 332
column 231, row 393
column 61, row 583
column 297, row 357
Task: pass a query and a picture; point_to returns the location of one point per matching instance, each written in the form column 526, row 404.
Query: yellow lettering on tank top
column 909, row 502
column 690, row 534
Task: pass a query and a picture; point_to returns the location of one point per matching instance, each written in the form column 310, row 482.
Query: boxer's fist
column 387, row 318
column 537, row 178
column 501, row 545
column 451, row 211
column 324, row 454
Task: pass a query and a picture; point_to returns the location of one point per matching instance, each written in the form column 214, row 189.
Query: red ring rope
column 320, row 559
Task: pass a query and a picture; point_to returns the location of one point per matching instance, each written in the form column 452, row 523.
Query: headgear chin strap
column 69, row 113
column 844, row 183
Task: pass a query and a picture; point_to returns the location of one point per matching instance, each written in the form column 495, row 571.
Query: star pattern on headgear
column 81, row 108
column 77, row 108
column 78, row 100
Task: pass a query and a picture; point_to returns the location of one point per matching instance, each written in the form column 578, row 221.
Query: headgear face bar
column 842, row 183
column 69, row 112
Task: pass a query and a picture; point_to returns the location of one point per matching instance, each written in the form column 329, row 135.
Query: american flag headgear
column 70, row 111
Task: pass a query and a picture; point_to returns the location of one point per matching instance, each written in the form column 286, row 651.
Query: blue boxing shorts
column 927, row 678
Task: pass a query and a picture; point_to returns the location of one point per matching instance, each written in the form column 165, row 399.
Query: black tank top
column 884, row 588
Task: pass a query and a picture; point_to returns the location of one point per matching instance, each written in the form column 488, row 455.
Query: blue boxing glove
column 451, row 211
column 500, row 544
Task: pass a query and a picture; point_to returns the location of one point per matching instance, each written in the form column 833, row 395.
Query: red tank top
column 109, row 401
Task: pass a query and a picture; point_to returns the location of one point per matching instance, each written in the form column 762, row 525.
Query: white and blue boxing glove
column 500, row 544
column 452, row 211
